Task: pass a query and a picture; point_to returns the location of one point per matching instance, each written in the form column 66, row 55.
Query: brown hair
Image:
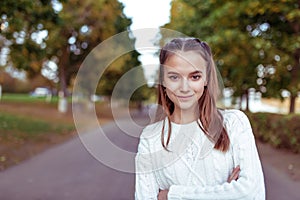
column 209, row 116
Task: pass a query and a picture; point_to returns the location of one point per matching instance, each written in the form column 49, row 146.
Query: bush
column 281, row 131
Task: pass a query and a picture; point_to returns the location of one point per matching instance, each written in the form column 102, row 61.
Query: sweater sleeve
column 250, row 181
column 146, row 187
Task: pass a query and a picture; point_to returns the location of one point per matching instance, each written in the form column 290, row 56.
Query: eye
column 173, row 77
column 195, row 77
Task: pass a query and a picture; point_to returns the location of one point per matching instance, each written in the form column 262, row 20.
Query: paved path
column 279, row 186
column 69, row 172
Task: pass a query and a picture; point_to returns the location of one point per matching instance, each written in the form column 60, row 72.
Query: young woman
column 195, row 150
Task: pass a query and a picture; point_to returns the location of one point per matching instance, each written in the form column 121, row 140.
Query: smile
column 184, row 97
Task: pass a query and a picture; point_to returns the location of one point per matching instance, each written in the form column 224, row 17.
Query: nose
column 184, row 87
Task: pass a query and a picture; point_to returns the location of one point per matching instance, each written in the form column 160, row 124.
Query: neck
column 184, row 116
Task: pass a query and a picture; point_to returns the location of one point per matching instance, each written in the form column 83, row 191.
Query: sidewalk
column 281, row 160
column 282, row 171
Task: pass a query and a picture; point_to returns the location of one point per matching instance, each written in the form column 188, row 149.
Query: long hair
column 209, row 116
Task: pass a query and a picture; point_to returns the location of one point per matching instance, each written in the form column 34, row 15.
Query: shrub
column 281, row 131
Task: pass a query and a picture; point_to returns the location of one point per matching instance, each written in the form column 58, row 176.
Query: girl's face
column 184, row 79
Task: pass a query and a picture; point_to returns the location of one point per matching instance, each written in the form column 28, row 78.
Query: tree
column 280, row 43
column 125, row 78
column 221, row 25
column 72, row 28
column 254, row 42
column 21, row 21
column 81, row 30
column 115, row 67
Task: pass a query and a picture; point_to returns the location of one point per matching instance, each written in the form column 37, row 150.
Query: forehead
column 185, row 62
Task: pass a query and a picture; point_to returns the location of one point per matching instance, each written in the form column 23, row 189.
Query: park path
column 69, row 172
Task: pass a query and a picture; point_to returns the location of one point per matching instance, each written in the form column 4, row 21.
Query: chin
column 185, row 107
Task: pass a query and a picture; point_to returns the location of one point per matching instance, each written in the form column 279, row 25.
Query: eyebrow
column 192, row 73
column 197, row 72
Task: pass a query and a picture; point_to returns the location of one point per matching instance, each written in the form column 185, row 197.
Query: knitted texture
column 193, row 169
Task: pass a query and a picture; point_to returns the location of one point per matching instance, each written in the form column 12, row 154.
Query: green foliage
column 20, row 21
column 256, row 44
column 91, row 23
column 143, row 93
column 125, row 78
column 72, row 33
column 281, row 131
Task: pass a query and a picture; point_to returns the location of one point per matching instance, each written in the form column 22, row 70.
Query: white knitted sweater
column 192, row 169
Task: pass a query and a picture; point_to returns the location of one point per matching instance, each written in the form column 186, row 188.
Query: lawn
column 30, row 125
column 26, row 128
column 22, row 137
column 27, row 98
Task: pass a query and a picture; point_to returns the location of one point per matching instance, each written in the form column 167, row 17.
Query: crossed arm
column 163, row 194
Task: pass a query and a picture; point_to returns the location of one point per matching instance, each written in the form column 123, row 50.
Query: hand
column 163, row 195
column 234, row 174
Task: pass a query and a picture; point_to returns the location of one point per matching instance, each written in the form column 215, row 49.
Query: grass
column 20, row 127
column 29, row 125
column 23, row 137
column 26, row 98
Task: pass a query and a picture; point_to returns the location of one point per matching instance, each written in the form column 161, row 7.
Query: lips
column 184, row 98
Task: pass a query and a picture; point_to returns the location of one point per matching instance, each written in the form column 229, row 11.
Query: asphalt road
column 69, row 172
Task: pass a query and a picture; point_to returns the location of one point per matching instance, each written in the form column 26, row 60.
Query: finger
column 236, row 170
column 235, row 174
column 162, row 195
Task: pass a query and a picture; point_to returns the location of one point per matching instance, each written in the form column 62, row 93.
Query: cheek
column 197, row 86
column 169, row 93
column 171, row 85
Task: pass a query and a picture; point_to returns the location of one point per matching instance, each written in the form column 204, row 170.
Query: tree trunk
column 292, row 103
column 0, row 91
column 295, row 74
column 62, row 71
column 247, row 100
column 62, row 102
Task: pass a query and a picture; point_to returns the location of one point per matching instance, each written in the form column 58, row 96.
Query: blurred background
column 256, row 46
